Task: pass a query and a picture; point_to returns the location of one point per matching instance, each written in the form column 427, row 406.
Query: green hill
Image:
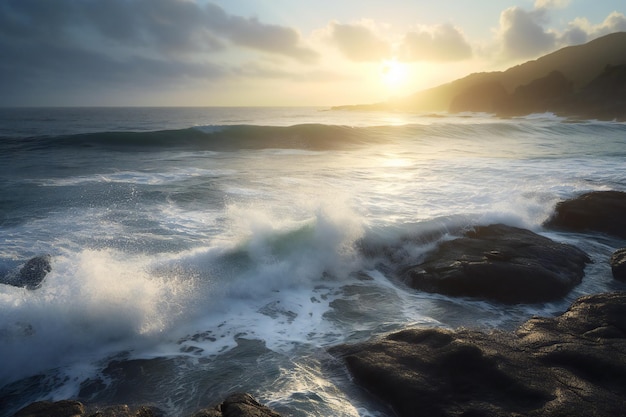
column 573, row 68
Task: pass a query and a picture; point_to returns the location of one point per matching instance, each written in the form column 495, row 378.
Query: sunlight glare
column 393, row 73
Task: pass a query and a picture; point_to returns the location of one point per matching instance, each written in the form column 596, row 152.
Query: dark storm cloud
column 87, row 43
column 50, row 74
column 164, row 24
column 170, row 26
column 253, row 34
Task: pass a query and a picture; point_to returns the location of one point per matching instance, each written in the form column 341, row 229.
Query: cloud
column 256, row 35
column 119, row 43
column 551, row 4
column 580, row 30
column 143, row 27
column 172, row 27
column 439, row 43
column 522, row 34
column 359, row 43
column 36, row 72
column 362, row 43
column 183, row 25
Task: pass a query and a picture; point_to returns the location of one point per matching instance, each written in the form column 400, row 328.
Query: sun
column 394, row 74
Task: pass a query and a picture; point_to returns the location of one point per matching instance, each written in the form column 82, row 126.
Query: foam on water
column 92, row 302
column 134, row 177
column 265, row 251
column 272, row 279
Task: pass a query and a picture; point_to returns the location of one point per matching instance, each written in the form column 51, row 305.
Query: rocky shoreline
column 573, row 364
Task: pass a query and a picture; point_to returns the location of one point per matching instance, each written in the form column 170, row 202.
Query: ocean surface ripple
column 200, row 251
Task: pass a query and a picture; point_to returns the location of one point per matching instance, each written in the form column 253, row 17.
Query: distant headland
column 586, row 81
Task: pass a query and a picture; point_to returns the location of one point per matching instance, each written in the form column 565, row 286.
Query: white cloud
column 437, row 43
column 359, row 43
column 522, row 34
column 526, row 33
column 551, row 4
column 580, row 30
column 366, row 42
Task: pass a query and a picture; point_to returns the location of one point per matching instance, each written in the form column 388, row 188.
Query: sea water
column 198, row 252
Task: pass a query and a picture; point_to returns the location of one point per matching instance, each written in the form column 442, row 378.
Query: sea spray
column 229, row 257
column 88, row 304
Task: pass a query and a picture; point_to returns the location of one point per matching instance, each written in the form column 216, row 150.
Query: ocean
column 198, row 252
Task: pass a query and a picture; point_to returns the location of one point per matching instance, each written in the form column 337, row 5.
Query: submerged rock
column 31, row 275
column 573, row 365
column 597, row 211
column 618, row 264
column 64, row 408
column 238, row 405
column 500, row 263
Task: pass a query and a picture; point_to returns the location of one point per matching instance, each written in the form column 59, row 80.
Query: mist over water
column 224, row 249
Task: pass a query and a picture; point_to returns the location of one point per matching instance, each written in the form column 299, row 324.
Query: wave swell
column 317, row 137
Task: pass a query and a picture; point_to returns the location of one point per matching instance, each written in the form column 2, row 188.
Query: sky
column 273, row 52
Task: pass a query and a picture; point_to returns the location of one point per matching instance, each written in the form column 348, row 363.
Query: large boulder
column 30, row 275
column 618, row 264
column 500, row 263
column 571, row 365
column 597, row 211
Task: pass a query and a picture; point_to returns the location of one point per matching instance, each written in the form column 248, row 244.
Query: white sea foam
column 185, row 253
column 92, row 302
column 137, row 177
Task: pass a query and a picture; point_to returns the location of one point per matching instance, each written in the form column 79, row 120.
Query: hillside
column 574, row 68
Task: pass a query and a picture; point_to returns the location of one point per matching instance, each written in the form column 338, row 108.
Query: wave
column 209, row 138
column 314, row 137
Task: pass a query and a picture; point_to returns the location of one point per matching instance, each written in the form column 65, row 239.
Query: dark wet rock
column 618, row 264
column 124, row 410
column 69, row 408
column 500, row 263
column 31, row 275
column 133, row 381
column 597, row 211
column 235, row 405
column 238, row 405
column 571, row 365
column 64, row 408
